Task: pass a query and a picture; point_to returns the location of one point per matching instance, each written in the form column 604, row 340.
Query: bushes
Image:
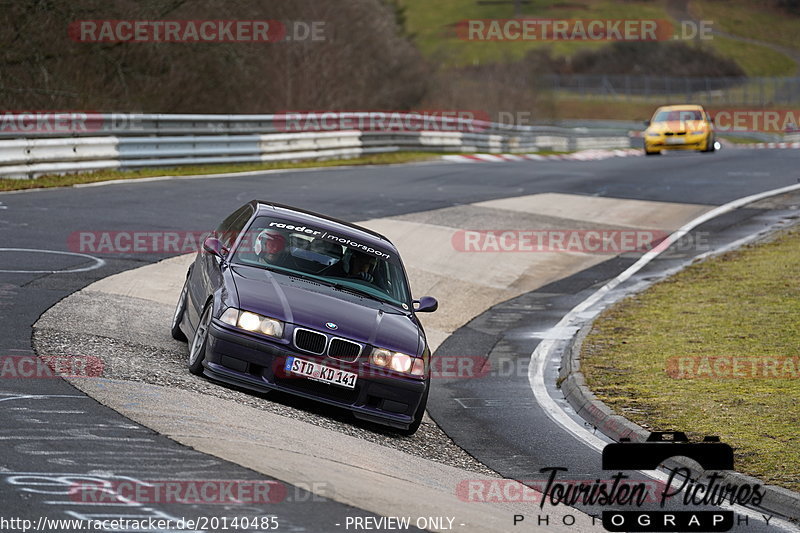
column 654, row 58
column 364, row 61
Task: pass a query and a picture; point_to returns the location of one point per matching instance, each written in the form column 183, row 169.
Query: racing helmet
column 269, row 242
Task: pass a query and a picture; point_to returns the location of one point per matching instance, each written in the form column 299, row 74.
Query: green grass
column 566, row 106
column 745, row 303
column 738, row 140
column 67, row 180
column 432, row 24
column 754, row 59
column 749, row 19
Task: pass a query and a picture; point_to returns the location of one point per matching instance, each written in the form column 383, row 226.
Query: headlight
column 699, row 132
column 252, row 322
column 654, row 135
column 381, row 357
column 397, row 361
column 401, row 362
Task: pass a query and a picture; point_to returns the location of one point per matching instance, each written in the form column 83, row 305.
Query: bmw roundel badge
column 331, row 325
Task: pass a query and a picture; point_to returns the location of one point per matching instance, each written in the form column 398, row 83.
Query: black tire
column 657, row 152
column 711, row 147
column 417, row 417
column 197, row 350
column 177, row 317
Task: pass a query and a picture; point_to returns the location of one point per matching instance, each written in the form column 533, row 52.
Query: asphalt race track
column 55, row 436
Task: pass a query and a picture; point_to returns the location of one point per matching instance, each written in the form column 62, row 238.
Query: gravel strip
column 130, row 336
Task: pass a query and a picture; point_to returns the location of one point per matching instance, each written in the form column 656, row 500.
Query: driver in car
column 270, row 248
column 361, row 266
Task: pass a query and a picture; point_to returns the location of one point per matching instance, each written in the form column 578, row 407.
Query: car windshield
column 678, row 115
column 336, row 259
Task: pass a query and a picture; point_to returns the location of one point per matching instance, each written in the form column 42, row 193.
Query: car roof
column 680, row 107
column 322, row 221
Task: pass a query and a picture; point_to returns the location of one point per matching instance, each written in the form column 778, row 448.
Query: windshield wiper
column 348, row 288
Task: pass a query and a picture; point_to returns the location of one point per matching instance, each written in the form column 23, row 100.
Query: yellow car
column 679, row 127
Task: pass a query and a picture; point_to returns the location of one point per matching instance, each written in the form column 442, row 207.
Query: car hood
column 312, row 305
column 677, row 125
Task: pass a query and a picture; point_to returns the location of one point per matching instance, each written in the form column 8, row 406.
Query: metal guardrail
column 88, row 142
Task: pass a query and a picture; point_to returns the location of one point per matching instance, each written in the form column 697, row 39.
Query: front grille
column 310, row 341
column 343, row 349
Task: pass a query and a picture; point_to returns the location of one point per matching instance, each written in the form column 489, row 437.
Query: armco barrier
column 121, row 141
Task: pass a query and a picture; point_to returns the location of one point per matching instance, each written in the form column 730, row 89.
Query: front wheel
column 711, row 145
column 197, row 352
column 418, row 415
column 657, row 152
column 177, row 317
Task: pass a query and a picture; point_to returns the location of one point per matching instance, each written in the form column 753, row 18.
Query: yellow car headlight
column 249, row 321
column 381, row 357
column 397, row 361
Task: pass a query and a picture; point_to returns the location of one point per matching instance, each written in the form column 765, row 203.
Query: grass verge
column 433, row 26
column 743, row 304
column 738, row 140
column 66, row 180
column 755, row 60
column 749, row 19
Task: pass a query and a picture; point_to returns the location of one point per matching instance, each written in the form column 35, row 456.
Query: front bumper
column 667, row 142
column 245, row 361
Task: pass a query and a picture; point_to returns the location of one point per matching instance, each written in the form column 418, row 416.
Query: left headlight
column 397, row 361
column 698, row 132
column 252, row 322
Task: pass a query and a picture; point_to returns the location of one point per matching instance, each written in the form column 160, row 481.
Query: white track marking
column 542, row 353
column 40, row 397
column 97, row 262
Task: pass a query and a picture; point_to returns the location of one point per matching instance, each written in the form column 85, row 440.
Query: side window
column 230, row 228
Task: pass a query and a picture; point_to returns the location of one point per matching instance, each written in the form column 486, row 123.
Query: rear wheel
column 197, row 352
column 177, row 317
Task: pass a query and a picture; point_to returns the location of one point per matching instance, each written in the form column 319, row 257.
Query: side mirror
column 646, row 123
column 214, row 246
column 426, row 304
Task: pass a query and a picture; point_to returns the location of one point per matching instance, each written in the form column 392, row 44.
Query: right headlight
column 252, row 322
column 397, row 361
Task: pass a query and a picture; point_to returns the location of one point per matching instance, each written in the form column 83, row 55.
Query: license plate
column 318, row 372
column 676, row 140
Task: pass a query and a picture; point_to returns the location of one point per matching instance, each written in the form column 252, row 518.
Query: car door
column 206, row 276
